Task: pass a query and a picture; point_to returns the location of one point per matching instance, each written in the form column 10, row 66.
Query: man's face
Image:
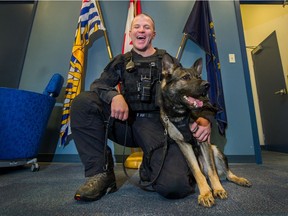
column 142, row 33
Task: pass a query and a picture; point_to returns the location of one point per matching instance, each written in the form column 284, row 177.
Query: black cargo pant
column 88, row 117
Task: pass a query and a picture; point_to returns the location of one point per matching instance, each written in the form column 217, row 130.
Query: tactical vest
column 140, row 81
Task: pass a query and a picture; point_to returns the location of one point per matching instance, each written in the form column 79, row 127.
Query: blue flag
column 200, row 29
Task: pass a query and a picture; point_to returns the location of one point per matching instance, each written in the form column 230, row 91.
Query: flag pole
column 105, row 32
column 181, row 47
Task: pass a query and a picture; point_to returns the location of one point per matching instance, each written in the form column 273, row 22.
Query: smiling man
column 130, row 117
column 142, row 33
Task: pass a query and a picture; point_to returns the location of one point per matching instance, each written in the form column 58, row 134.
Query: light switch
column 232, row 58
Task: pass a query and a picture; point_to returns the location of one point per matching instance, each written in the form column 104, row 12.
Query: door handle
column 281, row 92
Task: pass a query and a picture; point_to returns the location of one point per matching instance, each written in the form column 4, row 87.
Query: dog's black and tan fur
column 183, row 94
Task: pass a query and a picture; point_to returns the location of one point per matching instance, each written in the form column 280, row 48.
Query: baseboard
column 74, row 158
column 71, row 158
column 241, row 158
column 276, row 148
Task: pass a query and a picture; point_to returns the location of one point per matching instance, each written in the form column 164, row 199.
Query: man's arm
column 105, row 86
column 201, row 127
column 119, row 108
column 109, row 78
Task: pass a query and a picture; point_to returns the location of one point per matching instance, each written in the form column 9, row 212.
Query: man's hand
column 119, row 108
column 201, row 129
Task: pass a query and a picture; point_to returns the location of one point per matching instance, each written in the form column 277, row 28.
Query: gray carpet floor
column 50, row 192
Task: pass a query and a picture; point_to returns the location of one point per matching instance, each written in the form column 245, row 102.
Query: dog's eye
column 186, row 77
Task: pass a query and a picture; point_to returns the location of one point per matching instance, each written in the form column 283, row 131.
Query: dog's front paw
column 238, row 180
column 206, row 200
column 244, row 182
column 222, row 194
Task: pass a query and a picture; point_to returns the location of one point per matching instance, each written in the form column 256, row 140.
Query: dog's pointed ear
column 167, row 65
column 198, row 66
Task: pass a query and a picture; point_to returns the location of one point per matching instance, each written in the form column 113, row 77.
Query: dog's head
column 183, row 86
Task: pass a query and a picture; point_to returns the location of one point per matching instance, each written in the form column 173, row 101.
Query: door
column 272, row 93
column 16, row 18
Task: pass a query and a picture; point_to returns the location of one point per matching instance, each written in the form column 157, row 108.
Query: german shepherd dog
column 183, row 94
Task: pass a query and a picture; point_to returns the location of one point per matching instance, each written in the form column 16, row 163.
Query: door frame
column 257, row 148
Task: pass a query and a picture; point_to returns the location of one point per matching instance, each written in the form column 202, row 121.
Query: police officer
column 134, row 121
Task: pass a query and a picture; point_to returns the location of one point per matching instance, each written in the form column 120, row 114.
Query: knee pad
column 174, row 188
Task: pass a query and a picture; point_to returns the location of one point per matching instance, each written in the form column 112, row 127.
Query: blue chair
column 24, row 117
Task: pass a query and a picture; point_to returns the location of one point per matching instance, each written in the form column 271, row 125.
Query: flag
column 200, row 29
column 89, row 22
column 133, row 10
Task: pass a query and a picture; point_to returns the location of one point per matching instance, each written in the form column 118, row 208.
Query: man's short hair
column 141, row 14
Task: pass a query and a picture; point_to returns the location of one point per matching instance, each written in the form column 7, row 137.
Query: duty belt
column 148, row 115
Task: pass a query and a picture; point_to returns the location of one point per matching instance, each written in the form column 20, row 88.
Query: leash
column 143, row 186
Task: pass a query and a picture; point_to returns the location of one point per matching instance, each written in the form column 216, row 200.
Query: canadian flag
column 133, row 10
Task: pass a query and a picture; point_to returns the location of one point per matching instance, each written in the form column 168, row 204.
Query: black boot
column 97, row 186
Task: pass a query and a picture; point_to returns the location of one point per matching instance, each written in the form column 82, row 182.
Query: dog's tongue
column 194, row 102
